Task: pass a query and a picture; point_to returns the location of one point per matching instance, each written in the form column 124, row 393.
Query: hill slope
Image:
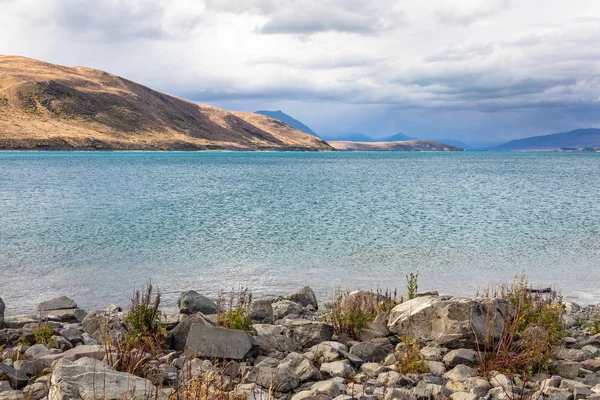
column 398, row 137
column 47, row 106
column 283, row 117
column 407, row 145
column 578, row 138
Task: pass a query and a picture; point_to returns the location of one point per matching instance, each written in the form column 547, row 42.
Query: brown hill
column 406, row 145
column 48, row 106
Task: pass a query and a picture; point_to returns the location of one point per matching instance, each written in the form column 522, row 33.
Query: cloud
column 466, row 12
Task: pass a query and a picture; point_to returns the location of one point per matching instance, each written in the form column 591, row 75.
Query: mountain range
column 576, row 139
column 283, row 117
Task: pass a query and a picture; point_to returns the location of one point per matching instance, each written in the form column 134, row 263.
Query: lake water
column 93, row 225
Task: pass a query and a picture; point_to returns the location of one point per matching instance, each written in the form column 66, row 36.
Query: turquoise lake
column 93, row 225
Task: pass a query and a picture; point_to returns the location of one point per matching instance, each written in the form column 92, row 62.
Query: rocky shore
column 292, row 350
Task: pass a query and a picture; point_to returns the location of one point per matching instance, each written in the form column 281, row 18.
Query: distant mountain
column 45, row 106
column 579, row 138
column 407, row 145
column 455, row 142
column 283, row 117
column 398, row 137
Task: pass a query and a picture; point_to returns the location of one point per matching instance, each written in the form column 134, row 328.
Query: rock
column 592, row 341
column 37, row 391
column 86, row 377
column 60, row 343
column 453, row 323
column 37, row 351
column 369, row 351
column 283, row 308
column 325, row 388
column 300, row 367
column 261, row 311
column 17, row 378
column 216, row 342
column 567, row 369
column 341, row 368
column 69, row 315
column 502, row 381
column 30, row 367
column 4, row 386
column 372, row 370
column 195, row 368
column 272, row 339
column 105, row 326
column 59, row 303
column 73, row 335
column 571, row 354
column 328, row 351
column 276, row 379
column 12, row 395
column 432, row 353
column 436, row 368
column 192, row 302
column 305, row 296
column 591, row 365
column 2, row 309
column 308, row 333
column 85, row 351
column 390, row 378
column 463, row 396
column 177, row 337
column 461, row 356
column 460, row 373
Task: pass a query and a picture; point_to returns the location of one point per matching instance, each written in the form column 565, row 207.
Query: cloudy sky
column 475, row 70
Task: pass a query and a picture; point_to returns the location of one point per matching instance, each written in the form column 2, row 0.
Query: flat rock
column 341, row 369
column 567, row 369
column 90, row 351
column 460, row 373
column 461, row 356
column 86, row 377
column 216, row 342
column 591, row 365
column 59, row 303
column 177, row 337
column 308, row 333
column 369, row 351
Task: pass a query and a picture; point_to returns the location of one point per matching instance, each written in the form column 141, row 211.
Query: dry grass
column 235, row 312
column 47, row 106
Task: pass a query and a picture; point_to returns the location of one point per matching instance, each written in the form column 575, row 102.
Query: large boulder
column 283, row 308
column 453, row 323
column 192, row 302
column 2, row 308
column 308, row 333
column 215, row 342
column 87, row 378
column 105, row 326
column 305, row 296
column 15, row 377
column 59, row 303
column 177, row 337
column 272, row 339
column 261, row 311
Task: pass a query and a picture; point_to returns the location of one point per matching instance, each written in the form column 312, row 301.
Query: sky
column 481, row 71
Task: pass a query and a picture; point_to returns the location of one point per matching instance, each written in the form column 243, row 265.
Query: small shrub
column 412, row 285
column 350, row 313
column 596, row 324
column 43, row 334
column 529, row 336
column 208, row 385
column 411, row 360
column 144, row 334
column 235, row 313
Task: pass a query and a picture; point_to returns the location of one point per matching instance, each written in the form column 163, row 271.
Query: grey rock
column 84, row 378
column 369, row 351
column 460, row 373
column 177, row 337
column 30, row 367
column 272, row 339
column 567, row 369
column 453, row 323
column 461, row 356
column 12, row 395
column 215, row 342
column 308, row 333
column 591, row 365
column 276, row 379
column 436, row 368
column 325, row 388
column 17, row 378
column 195, row 368
column 300, row 367
column 4, row 386
column 261, row 311
column 59, row 303
column 84, row 351
column 37, row 391
column 68, row 315
column 341, row 368
column 105, row 326
column 283, row 308
column 192, row 302
column 37, row 351
column 73, row 335
column 305, row 296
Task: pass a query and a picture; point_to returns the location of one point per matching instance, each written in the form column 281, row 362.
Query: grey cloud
column 324, row 62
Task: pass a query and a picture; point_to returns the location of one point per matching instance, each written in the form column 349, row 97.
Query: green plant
column 144, row 334
column 412, row 285
column 43, row 334
column 235, row 313
column 411, row 360
column 351, row 312
column 529, row 335
column 596, row 324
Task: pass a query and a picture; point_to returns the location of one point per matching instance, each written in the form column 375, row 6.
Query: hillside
column 407, row 145
column 579, row 138
column 283, row 117
column 47, row 106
